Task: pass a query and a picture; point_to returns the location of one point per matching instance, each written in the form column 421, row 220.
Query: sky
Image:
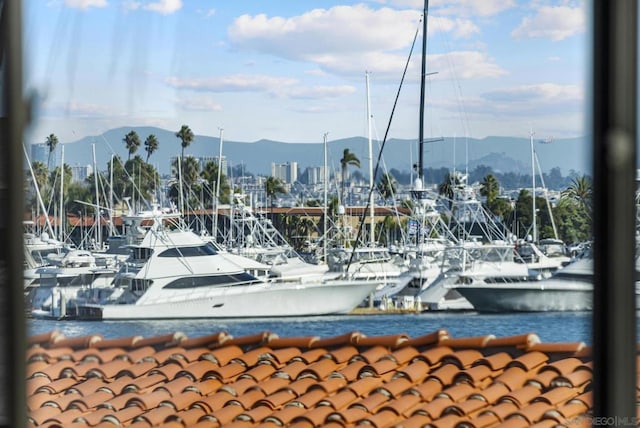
column 292, row 71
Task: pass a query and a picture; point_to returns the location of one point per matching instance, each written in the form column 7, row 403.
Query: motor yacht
column 173, row 272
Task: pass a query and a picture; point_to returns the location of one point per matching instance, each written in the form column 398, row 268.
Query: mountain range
column 502, row 154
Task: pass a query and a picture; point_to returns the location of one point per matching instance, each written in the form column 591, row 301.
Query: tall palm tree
column 580, row 192
column 209, row 174
column 273, row 186
column 348, row 158
column 132, row 142
column 51, row 142
column 447, row 187
column 151, row 145
column 387, row 186
column 186, row 138
column 490, row 188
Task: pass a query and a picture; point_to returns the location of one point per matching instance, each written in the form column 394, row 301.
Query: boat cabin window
column 242, row 278
column 141, row 253
column 202, row 250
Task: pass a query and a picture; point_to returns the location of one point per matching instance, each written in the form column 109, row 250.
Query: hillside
column 503, row 154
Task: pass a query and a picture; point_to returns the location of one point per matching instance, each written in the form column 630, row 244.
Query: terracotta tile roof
column 264, row 380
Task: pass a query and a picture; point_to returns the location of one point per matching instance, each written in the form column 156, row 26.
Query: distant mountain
column 503, row 154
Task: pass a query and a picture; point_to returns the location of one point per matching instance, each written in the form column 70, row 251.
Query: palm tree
column 348, row 158
column 41, row 173
column 151, row 145
column 132, row 141
column 273, row 186
column 490, row 188
column 448, row 185
column 580, row 192
column 51, row 142
column 186, row 138
column 209, row 174
column 387, row 186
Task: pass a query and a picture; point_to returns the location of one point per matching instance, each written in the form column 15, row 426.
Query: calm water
column 550, row 326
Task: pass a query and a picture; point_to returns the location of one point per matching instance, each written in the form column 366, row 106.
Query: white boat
column 174, row 273
column 37, row 247
column 373, row 264
column 569, row 289
column 497, row 265
column 76, row 276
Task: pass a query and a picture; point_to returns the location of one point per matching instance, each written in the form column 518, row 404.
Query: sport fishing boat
column 175, row 273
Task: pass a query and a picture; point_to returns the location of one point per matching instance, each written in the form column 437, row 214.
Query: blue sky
column 293, row 70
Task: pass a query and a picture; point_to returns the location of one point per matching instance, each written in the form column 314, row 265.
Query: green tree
column 490, row 189
column 186, row 138
column 132, row 142
column 387, row 186
column 54, row 183
column 348, row 158
column 142, row 179
column 41, row 173
column 151, row 145
column 448, row 187
column 580, row 192
column 572, row 224
column 273, row 186
column 51, row 142
column 210, row 175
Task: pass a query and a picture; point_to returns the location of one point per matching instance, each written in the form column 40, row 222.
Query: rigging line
column 384, row 141
column 384, row 164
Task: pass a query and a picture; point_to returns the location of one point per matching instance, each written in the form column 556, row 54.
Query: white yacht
column 497, row 265
column 37, row 247
column 69, row 278
column 569, row 289
column 174, row 273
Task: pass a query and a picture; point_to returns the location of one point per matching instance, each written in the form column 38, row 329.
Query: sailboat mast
column 372, row 223
column 533, row 191
column 423, row 75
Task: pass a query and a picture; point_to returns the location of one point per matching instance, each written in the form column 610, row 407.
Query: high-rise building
column 287, row 172
column 40, row 153
column 80, row 172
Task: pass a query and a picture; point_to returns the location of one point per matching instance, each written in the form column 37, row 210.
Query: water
column 549, row 326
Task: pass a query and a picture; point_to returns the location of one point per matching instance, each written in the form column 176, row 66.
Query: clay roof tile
column 389, row 341
column 530, row 361
column 415, row 371
column 162, row 341
column 342, row 354
column 209, row 341
column 340, row 340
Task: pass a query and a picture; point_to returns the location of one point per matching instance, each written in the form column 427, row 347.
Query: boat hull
column 263, row 300
column 529, row 297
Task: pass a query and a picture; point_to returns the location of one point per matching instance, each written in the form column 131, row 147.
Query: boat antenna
column 423, row 75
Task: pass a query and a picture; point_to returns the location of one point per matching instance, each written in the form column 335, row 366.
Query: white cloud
column 85, row 4
column 76, row 109
column 198, row 104
column 341, row 39
column 233, row 83
column 131, row 5
column 552, row 22
column 474, row 8
column 464, row 65
column 482, row 8
column 539, row 92
column 164, row 7
column 277, row 86
column 317, row 92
